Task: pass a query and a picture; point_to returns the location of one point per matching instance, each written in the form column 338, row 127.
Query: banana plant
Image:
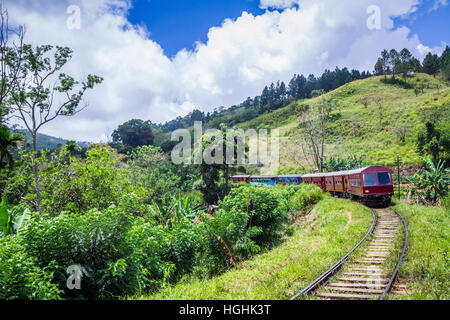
column 5, row 218
column 12, row 220
column 170, row 213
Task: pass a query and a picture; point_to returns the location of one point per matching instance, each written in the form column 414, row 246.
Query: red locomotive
column 371, row 185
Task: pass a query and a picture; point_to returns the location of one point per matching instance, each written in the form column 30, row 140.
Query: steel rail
column 400, row 259
column 337, row 266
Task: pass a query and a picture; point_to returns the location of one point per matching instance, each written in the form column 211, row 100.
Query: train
column 371, row 185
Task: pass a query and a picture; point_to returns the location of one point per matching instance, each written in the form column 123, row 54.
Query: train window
column 370, row 179
column 384, row 179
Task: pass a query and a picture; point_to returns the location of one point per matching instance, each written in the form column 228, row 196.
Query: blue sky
column 432, row 27
column 148, row 77
column 179, row 24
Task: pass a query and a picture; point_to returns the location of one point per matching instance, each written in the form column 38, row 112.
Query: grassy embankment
column 325, row 235
column 426, row 267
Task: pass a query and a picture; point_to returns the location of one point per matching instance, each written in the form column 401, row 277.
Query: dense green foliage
column 76, row 185
column 306, row 196
column 151, row 168
column 434, row 142
column 340, row 164
column 431, row 184
column 20, row 275
column 121, row 254
column 95, row 241
column 8, row 141
column 132, row 134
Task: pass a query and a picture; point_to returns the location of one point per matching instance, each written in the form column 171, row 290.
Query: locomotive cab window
column 384, row 179
column 370, row 179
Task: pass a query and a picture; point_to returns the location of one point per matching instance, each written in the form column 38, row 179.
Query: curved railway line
column 368, row 275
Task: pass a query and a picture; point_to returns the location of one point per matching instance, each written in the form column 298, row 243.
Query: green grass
column 324, row 237
column 378, row 142
column 426, row 267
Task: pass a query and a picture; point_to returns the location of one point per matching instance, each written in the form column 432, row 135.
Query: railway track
column 368, row 276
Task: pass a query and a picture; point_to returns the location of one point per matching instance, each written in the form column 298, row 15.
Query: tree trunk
column 37, row 187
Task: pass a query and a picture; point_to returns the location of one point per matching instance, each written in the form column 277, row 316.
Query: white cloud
column 278, row 4
column 437, row 4
column 240, row 57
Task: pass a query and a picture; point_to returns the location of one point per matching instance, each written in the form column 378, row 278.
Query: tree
column 132, row 134
column 151, row 169
column 314, row 122
column 394, row 61
column 433, row 142
column 216, row 177
column 404, row 65
column 445, row 63
column 431, row 64
column 385, row 63
column 415, row 65
column 379, row 69
column 42, row 94
column 401, row 131
column 8, row 141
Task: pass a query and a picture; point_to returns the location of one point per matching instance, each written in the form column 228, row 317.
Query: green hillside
column 47, row 142
column 356, row 127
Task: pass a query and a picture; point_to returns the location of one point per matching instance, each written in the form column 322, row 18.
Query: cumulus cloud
column 238, row 59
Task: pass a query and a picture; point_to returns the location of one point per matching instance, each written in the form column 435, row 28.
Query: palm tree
column 8, row 141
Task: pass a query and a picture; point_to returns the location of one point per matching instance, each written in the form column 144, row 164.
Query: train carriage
column 242, row 178
column 289, row 179
column 263, row 181
column 317, row 179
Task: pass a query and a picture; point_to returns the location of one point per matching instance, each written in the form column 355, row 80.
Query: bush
column 251, row 219
column 306, row 196
column 20, row 277
column 74, row 185
column 96, row 241
column 184, row 246
column 266, row 208
column 150, row 245
column 229, row 239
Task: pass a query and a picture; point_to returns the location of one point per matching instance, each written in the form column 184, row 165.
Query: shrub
column 251, row 219
column 150, row 168
column 20, row 277
column 184, row 246
column 96, row 241
column 266, row 208
column 229, row 239
column 74, row 185
column 150, row 245
column 307, row 195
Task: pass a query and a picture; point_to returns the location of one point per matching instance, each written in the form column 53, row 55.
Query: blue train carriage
column 289, row 179
column 263, row 181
